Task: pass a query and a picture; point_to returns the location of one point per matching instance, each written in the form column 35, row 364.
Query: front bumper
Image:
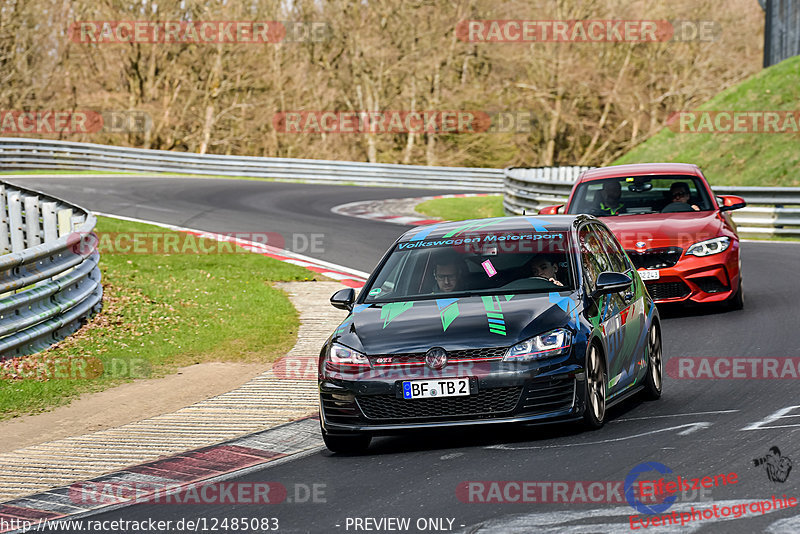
column 498, row 395
column 700, row 280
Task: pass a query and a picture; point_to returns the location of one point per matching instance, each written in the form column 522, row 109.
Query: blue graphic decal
column 538, row 224
column 565, row 303
column 422, row 234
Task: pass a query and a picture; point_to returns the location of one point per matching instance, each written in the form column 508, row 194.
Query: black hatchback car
column 503, row 320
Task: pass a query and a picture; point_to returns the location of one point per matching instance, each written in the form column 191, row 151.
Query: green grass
column 752, row 159
column 161, row 312
column 458, row 209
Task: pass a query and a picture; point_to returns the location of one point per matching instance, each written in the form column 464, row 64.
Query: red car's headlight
column 710, row 246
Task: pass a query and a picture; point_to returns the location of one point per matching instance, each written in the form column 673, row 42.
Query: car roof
column 639, row 169
column 522, row 223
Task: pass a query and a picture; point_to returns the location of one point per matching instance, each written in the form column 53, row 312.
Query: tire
column 346, row 443
column 654, row 381
column 594, row 415
column 736, row 302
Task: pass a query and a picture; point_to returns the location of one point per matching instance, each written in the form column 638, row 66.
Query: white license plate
column 650, row 274
column 429, row 389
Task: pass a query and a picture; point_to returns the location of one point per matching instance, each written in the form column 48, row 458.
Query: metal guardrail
column 524, row 188
column 48, row 288
column 21, row 154
column 767, row 215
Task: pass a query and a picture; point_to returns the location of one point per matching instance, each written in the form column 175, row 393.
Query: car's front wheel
column 346, row 443
column 655, row 364
column 595, row 413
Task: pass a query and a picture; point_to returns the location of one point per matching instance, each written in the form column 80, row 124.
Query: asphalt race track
column 699, row 428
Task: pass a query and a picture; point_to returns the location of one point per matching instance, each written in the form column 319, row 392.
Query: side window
column 619, row 261
column 593, row 254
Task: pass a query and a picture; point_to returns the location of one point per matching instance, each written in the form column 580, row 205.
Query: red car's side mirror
column 731, row 202
column 551, row 210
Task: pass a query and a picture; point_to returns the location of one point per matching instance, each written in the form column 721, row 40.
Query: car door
column 602, row 312
column 631, row 316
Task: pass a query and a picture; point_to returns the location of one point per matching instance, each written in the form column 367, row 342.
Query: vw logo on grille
column 641, row 244
column 436, row 358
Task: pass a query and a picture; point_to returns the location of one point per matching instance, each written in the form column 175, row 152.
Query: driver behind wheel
column 449, row 274
column 544, row 267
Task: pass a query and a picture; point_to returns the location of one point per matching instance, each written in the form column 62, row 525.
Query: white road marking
column 670, row 415
column 691, row 427
column 783, row 413
column 607, row 520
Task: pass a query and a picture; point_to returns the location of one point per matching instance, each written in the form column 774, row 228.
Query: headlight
column 341, row 357
column 710, row 246
column 553, row 343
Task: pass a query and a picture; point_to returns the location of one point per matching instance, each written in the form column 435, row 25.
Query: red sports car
column 678, row 234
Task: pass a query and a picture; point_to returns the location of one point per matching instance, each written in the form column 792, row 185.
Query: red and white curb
column 208, row 465
column 395, row 210
column 347, row 276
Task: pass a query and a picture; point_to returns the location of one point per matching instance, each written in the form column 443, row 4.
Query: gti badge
column 641, row 244
column 436, row 358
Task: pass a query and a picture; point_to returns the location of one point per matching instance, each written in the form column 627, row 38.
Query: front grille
column 655, row 258
column 419, row 357
column 667, row 290
column 339, row 407
column 710, row 284
column 548, row 396
column 487, row 403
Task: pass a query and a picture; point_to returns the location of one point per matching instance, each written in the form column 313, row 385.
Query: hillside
column 754, row 159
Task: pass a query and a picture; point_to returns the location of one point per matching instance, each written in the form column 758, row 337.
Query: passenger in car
column 680, row 195
column 545, row 267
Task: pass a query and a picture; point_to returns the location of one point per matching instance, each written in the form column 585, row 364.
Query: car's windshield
column 481, row 264
column 638, row 195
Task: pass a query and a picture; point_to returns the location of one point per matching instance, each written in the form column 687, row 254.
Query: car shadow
column 681, row 311
column 495, row 434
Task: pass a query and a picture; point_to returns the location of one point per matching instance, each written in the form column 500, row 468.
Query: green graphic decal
column 494, row 314
column 391, row 311
column 448, row 311
column 471, row 226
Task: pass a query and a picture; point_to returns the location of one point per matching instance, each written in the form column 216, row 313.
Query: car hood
column 456, row 323
column 666, row 229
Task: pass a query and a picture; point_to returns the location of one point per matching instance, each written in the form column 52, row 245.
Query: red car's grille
column 667, row 290
column 655, row 258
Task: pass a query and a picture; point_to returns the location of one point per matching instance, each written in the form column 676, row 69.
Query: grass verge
column 458, row 209
column 160, row 312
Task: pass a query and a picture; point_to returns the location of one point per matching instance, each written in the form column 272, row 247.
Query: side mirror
column 344, row 299
column 731, row 202
column 551, row 210
column 611, row 282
